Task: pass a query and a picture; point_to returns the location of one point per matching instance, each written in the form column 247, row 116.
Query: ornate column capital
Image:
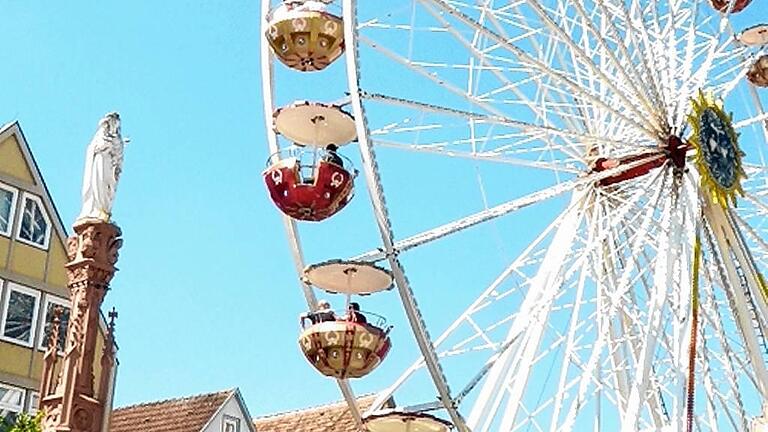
column 93, row 252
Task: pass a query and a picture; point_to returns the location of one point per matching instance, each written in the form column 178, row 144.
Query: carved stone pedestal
column 70, row 401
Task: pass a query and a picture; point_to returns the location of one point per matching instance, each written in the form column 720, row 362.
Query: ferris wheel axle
column 675, row 152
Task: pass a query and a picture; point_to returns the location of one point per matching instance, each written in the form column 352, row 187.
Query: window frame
column 31, row 409
column 11, row 286
column 230, row 420
column 42, row 344
column 5, row 406
column 47, row 238
column 14, row 201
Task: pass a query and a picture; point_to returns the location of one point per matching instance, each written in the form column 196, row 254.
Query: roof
column 188, row 414
column 327, row 418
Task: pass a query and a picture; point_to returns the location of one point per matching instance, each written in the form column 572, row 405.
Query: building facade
column 33, row 280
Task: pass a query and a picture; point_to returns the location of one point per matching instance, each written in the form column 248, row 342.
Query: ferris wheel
column 630, row 133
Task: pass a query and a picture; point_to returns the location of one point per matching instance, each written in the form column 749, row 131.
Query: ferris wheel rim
column 424, row 342
column 294, row 242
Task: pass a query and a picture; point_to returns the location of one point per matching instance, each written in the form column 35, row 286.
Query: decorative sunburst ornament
column 718, row 156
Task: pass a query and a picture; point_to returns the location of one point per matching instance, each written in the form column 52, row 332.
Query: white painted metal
column 663, row 283
column 498, row 211
column 382, row 219
column 534, row 313
column 601, row 298
column 727, row 243
column 476, row 306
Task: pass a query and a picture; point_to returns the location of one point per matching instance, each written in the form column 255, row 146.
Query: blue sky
column 207, row 293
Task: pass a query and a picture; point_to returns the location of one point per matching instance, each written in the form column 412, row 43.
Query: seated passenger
column 354, row 314
column 331, row 155
column 322, row 314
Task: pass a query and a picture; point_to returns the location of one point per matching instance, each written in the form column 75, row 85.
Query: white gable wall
column 230, row 408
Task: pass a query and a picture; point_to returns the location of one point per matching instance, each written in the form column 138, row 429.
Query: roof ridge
column 7, row 125
column 312, row 408
column 177, row 399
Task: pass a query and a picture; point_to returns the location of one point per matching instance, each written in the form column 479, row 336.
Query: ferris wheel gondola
column 344, row 348
column 758, row 72
column 308, row 185
column 732, row 6
column 304, row 36
column 352, row 344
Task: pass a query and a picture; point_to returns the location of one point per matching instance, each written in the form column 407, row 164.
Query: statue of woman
column 103, row 164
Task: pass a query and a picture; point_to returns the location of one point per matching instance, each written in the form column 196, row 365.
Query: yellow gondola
column 758, row 72
column 345, row 349
column 304, row 36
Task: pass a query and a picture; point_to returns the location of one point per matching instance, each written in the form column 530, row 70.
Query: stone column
column 73, row 405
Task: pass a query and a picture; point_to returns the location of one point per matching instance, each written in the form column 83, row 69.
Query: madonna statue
column 103, row 164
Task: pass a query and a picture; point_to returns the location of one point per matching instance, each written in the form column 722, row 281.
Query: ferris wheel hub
column 674, row 151
column 677, row 150
column 655, row 160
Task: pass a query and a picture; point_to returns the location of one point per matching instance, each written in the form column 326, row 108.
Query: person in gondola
column 354, row 314
column 321, row 314
column 332, row 156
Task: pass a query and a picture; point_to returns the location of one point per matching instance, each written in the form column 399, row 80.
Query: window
column 230, row 424
column 34, row 402
column 11, row 401
column 50, row 304
column 7, row 208
column 19, row 314
column 35, row 226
